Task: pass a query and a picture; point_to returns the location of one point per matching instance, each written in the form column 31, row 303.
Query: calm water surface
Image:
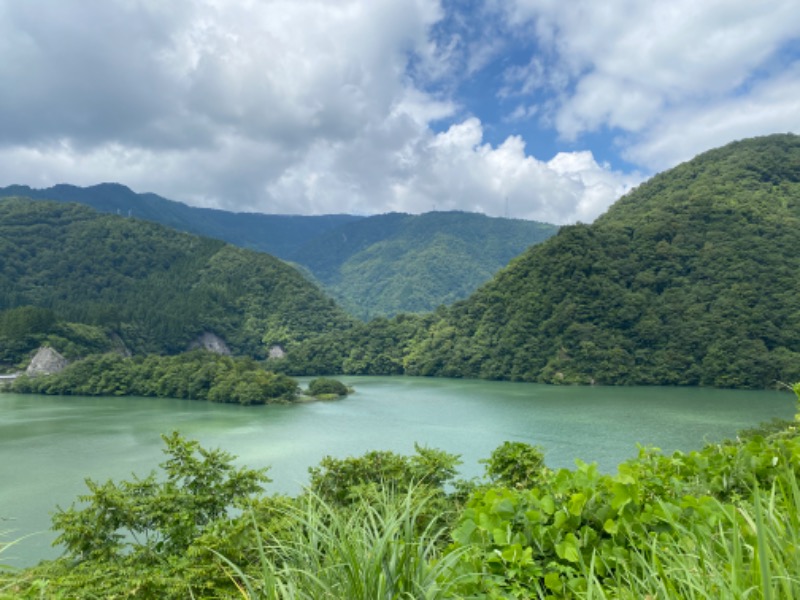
column 48, row 445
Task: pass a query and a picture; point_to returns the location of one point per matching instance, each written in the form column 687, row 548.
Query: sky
column 538, row 109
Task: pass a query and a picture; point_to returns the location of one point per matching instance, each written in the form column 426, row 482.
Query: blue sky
column 550, row 108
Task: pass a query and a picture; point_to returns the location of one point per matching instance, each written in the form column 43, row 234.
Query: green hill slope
column 393, row 263
column 690, row 279
column 156, row 288
column 279, row 235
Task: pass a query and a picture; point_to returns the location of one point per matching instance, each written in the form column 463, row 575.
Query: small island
column 324, row 388
column 194, row 375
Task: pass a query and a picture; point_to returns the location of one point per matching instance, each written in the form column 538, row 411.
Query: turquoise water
column 48, row 445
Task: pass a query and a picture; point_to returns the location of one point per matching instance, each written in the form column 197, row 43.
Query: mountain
column 279, row 235
column 155, row 289
column 393, row 263
column 690, row 279
column 374, row 266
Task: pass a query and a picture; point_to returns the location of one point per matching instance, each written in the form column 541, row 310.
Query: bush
column 323, row 386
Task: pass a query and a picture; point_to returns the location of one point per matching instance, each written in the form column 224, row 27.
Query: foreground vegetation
column 721, row 522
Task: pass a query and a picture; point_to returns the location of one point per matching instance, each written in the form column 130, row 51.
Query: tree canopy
column 154, row 289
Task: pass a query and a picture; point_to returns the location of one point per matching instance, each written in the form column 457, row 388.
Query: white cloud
column 301, row 106
column 771, row 106
column 457, row 170
column 640, row 67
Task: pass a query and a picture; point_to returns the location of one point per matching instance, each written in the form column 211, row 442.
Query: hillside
column 691, row 279
column 155, row 288
column 279, row 235
column 392, row 263
column 374, row 266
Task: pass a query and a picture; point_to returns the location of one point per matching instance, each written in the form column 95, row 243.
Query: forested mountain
column 279, row 235
column 691, row 279
column 156, row 289
column 378, row 265
column 392, row 263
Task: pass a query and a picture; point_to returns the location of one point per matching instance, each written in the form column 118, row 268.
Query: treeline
column 691, row 279
column 720, row 522
column 153, row 289
column 197, row 375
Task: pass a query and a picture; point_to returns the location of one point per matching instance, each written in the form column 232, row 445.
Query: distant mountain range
column 395, row 263
column 374, row 266
column 279, row 235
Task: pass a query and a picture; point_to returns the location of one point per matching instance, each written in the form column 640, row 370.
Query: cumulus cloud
column 301, row 106
column 770, row 106
column 651, row 70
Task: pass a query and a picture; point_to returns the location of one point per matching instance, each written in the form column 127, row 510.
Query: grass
column 753, row 552
column 370, row 551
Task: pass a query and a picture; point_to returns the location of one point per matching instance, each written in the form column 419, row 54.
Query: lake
column 49, row 444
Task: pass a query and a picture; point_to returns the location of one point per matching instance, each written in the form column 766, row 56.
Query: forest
column 146, row 288
column 690, row 279
column 197, row 375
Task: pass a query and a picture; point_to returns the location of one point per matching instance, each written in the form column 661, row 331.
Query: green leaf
column 553, row 581
column 576, row 504
column 568, row 549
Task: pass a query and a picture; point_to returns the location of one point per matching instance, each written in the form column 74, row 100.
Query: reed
column 373, row 550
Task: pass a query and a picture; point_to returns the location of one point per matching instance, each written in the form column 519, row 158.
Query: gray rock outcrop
column 211, row 342
column 46, row 362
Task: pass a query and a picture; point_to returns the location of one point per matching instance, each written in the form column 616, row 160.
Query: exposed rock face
column 46, row 362
column 119, row 346
column 211, row 342
column 277, row 352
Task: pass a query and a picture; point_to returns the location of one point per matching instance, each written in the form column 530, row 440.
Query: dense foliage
column 25, row 328
column 152, row 288
column 324, row 386
column 399, row 263
column 721, row 522
column 691, row 279
column 196, row 375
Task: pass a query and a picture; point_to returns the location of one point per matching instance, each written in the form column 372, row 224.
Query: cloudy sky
column 539, row 109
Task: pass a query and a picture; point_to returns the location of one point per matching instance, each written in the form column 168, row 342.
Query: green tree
column 151, row 518
column 516, row 465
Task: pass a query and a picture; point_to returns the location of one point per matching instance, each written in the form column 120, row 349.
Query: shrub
column 322, row 386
